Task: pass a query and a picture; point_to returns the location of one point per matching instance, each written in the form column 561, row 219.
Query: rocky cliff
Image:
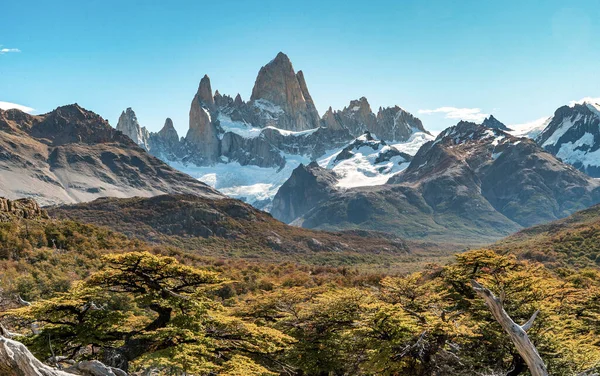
column 390, row 123
column 25, row 208
column 128, row 124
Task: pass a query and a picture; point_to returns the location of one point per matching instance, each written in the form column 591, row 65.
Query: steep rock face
column 73, row 155
column 257, row 151
column 573, row 135
column 283, row 97
column 493, row 123
column 307, row 187
column 471, row 183
column 128, row 124
column 395, row 124
column 330, row 120
column 205, row 94
column 202, row 136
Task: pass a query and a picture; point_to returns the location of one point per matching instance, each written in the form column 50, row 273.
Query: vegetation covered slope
column 231, row 228
column 571, row 242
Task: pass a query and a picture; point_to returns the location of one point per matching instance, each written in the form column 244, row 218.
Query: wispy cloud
column 468, row 114
column 8, row 50
column 586, row 99
column 8, row 106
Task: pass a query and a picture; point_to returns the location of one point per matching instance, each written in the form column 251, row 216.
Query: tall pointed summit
column 283, row 97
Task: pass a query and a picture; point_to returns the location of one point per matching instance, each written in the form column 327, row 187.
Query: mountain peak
column 492, row 122
column 281, row 57
column 205, row 92
column 128, row 124
column 280, row 86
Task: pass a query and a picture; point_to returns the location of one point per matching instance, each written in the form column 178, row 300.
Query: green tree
column 143, row 310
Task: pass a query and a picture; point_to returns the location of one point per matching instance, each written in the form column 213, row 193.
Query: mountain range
column 348, row 169
column 472, row 183
column 248, row 149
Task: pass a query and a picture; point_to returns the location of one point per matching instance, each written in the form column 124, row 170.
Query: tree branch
column 516, row 332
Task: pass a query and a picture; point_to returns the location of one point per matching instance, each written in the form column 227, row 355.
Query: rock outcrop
column 25, row 208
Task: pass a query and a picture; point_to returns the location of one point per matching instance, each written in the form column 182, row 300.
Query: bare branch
column 529, row 322
column 516, row 333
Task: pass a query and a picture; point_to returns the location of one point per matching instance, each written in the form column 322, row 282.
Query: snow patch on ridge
column 575, row 152
column 246, row 130
column 564, row 127
column 531, row 129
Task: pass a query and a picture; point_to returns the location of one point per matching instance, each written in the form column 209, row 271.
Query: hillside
column 572, row 241
column 231, row 228
column 71, row 155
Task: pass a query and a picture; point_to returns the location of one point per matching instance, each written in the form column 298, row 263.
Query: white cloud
column 467, row 114
column 586, row 99
column 7, row 50
column 8, row 106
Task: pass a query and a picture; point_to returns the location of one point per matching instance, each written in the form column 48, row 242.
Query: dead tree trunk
column 17, row 360
column 517, row 333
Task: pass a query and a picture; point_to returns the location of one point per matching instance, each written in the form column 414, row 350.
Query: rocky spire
column 168, row 133
column 330, row 120
column 238, row 100
column 128, row 124
column 202, row 135
column 287, row 98
column 205, row 93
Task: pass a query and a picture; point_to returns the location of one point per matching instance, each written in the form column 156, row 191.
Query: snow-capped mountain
column 573, row 135
column 471, row 182
column 365, row 162
column 247, row 150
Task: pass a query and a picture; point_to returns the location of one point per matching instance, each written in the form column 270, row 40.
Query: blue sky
column 519, row 60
